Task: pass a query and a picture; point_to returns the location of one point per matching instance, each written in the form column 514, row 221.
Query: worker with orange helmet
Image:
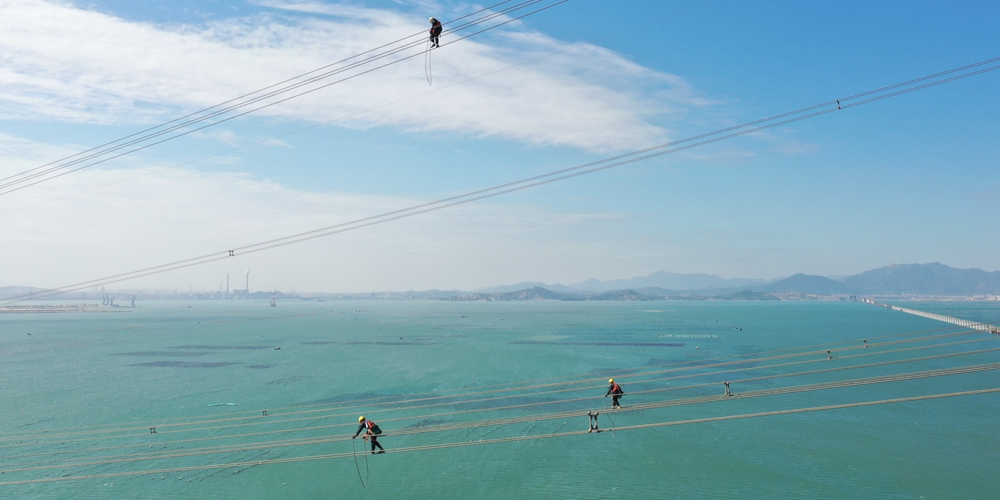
column 616, row 392
column 371, row 433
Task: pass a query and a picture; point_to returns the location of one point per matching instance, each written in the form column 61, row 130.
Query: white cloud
column 60, row 62
column 227, row 137
column 20, row 154
column 329, row 9
column 181, row 213
column 22, row 149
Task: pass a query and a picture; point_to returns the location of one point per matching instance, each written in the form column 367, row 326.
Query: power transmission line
column 234, row 100
column 391, row 103
column 800, row 114
column 428, row 447
column 117, row 149
column 248, row 94
column 120, row 431
column 769, row 355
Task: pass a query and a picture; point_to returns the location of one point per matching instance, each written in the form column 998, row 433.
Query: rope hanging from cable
column 428, row 70
column 367, row 478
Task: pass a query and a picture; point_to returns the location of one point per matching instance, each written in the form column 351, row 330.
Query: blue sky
column 907, row 180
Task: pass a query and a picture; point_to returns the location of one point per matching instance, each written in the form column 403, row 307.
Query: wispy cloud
column 182, row 213
column 19, row 154
column 224, row 136
column 85, row 66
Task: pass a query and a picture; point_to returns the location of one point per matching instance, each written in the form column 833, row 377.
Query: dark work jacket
column 364, row 425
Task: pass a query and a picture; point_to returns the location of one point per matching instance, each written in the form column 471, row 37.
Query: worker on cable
column 436, row 29
column 371, row 433
column 616, row 392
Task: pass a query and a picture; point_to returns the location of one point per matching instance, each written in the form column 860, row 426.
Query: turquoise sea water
column 82, row 390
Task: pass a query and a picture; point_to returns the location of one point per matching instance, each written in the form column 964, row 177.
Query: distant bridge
column 973, row 325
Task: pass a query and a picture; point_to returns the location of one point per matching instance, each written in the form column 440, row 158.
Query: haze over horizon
column 931, row 279
column 908, row 179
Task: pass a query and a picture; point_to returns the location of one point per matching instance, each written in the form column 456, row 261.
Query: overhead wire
column 430, row 400
column 302, row 429
column 562, row 415
column 237, row 99
column 426, row 400
column 439, row 415
column 351, row 115
column 467, row 425
column 243, row 104
column 248, row 94
column 521, row 385
column 28, row 180
column 509, row 439
column 462, row 425
column 751, row 357
column 890, row 378
column 534, row 181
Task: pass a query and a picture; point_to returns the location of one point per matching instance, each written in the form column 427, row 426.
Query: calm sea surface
column 80, row 393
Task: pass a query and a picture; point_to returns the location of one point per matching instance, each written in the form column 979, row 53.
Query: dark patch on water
column 428, row 421
column 369, row 343
column 367, row 397
column 262, row 318
column 226, row 347
column 664, row 362
column 36, row 422
column 426, row 337
column 695, row 328
column 185, row 364
column 162, row 353
column 390, row 343
column 608, row 344
column 465, row 327
column 260, row 367
column 288, row 380
column 617, row 330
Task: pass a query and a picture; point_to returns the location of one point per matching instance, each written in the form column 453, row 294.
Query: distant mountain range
column 925, row 279
column 540, row 293
column 659, row 279
column 804, row 283
column 669, row 281
column 934, row 279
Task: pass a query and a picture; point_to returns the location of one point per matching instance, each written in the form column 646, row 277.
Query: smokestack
column 227, row 282
column 248, row 281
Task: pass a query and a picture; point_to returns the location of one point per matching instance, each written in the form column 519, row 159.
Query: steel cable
column 515, row 438
column 562, row 415
column 555, row 176
column 535, row 417
column 23, row 181
column 275, row 417
column 371, row 407
column 522, row 63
